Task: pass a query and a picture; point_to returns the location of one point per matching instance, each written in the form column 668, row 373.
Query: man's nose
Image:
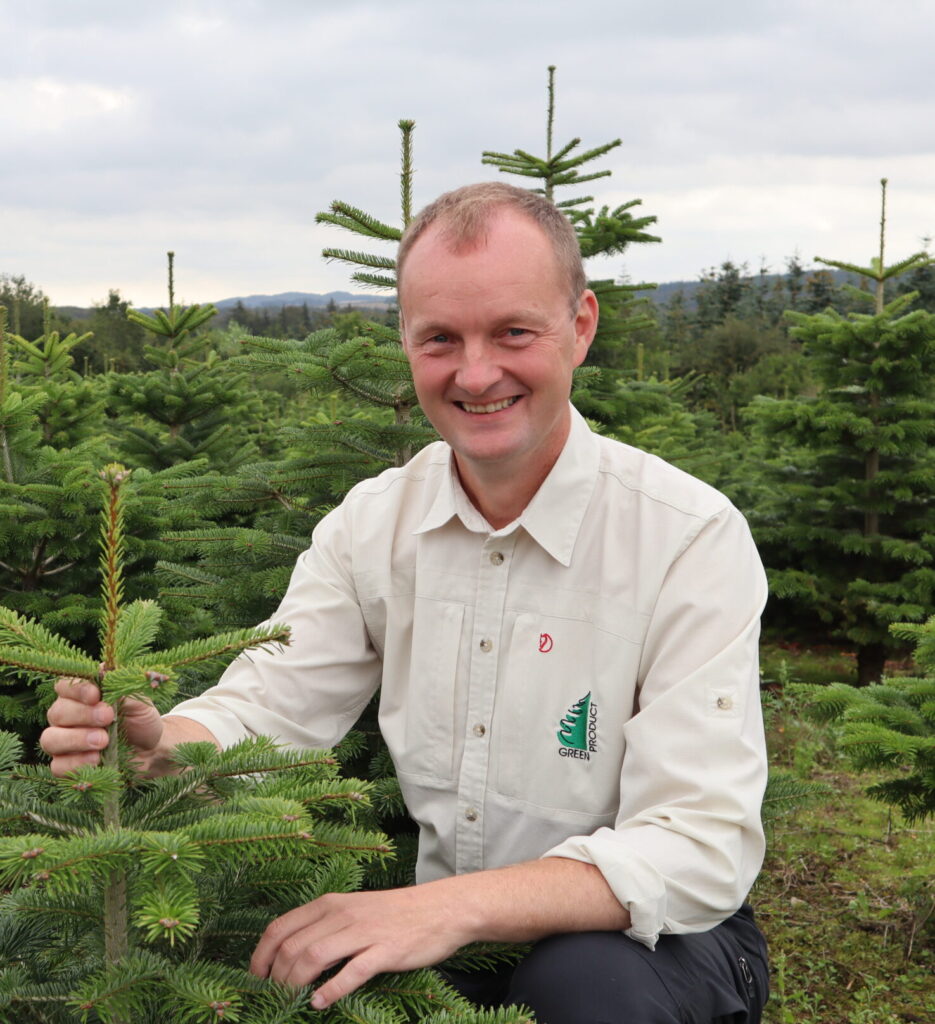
column 479, row 369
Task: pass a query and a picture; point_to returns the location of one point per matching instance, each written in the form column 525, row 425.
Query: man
column 564, row 630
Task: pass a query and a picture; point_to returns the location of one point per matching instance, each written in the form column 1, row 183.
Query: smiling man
column 564, row 633
column 493, row 335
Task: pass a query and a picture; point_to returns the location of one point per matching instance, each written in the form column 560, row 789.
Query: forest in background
column 684, row 378
column 810, row 401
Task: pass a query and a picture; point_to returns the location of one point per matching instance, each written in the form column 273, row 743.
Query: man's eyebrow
column 425, row 327
column 519, row 317
column 515, row 318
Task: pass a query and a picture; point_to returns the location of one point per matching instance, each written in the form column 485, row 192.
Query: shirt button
column 479, row 729
column 486, row 645
column 471, row 814
column 725, row 703
column 496, row 557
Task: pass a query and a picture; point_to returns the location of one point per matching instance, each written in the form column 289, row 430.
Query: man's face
column 492, row 344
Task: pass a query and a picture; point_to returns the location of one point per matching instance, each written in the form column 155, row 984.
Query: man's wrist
column 176, row 729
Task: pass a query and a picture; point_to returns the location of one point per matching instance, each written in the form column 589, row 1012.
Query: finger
column 279, row 931
column 68, row 713
column 303, row 958
column 61, row 766
column 355, row 973
column 74, row 740
column 72, row 688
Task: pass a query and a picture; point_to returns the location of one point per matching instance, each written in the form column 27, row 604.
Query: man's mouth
column 504, row 403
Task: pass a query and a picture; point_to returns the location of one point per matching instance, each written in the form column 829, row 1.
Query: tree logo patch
column 577, row 732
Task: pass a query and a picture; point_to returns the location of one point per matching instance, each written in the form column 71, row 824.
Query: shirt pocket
column 419, row 696
column 566, row 692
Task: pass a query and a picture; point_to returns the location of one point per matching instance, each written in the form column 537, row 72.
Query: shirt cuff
column 638, row 886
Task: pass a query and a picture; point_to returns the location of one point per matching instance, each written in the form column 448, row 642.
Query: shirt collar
column 553, row 517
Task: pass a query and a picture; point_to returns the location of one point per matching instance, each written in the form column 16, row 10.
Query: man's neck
column 499, row 493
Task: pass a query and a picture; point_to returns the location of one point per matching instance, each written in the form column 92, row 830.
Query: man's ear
column 585, row 324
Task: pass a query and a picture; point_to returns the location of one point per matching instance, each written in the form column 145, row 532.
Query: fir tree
column 73, row 407
column 364, row 379
column 198, row 406
column 139, row 900
column 48, row 506
column 601, row 232
column 367, row 420
column 844, row 519
column 889, row 728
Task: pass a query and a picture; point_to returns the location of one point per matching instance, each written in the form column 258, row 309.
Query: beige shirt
column 582, row 683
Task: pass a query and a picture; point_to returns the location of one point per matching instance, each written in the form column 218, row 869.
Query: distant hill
column 282, row 299
column 660, row 295
column 271, row 302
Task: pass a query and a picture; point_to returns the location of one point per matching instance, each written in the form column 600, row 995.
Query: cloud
column 224, row 126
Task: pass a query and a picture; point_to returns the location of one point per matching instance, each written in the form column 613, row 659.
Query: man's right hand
column 78, row 722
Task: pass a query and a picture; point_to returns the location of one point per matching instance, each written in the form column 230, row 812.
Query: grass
column 847, row 894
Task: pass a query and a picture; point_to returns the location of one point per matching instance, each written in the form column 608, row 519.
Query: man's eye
column 439, row 338
column 516, row 332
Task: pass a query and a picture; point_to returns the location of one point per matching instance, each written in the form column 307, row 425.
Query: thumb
column 142, row 723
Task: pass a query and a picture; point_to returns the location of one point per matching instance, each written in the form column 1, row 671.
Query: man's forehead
column 495, row 224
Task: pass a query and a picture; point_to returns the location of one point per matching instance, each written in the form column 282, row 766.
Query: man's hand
column 78, row 722
column 402, row 929
column 390, row 930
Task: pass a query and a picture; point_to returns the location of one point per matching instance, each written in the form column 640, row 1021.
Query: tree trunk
column 870, row 661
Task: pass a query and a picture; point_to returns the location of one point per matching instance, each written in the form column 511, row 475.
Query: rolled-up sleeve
column 687, row 842
column 309, row 693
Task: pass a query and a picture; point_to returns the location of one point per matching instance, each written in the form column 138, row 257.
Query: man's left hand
column 389, row 930
column 403, row 929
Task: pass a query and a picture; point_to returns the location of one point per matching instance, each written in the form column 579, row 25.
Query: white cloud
column 220, row 128
column 46, row 106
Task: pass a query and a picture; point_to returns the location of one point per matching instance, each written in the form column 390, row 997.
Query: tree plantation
column 160, row 472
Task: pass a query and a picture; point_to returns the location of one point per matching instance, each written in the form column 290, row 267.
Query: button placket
column 490, row 597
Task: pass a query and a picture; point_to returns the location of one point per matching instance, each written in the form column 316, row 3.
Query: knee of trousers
column 594, row 978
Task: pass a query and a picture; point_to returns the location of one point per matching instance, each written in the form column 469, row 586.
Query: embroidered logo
column 545, row 643
column 577, row 731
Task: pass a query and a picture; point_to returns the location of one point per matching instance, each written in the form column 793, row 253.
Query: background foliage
column 806, row 394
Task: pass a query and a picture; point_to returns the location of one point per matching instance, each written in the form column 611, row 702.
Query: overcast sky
column 752, row 129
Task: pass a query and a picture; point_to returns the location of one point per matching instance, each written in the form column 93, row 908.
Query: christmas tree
column 134, row 899
column 73, row 406
column 48, row 505
column 889, row 728
column 191, row 406
column 844, row 516
column 601, row 232
column 365, row 419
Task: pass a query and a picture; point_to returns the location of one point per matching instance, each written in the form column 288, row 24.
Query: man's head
column 464, row 215
column 493, row 339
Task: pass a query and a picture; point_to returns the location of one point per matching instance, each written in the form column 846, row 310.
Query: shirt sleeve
column 688, row 842
column 309, row 693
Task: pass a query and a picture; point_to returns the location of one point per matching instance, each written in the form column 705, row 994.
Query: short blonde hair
column 465, row 214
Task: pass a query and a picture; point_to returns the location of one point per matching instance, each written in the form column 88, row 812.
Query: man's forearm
column 402, row 929
column 525, row 902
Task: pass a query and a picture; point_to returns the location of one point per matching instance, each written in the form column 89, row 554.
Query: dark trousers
column 715, row 977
